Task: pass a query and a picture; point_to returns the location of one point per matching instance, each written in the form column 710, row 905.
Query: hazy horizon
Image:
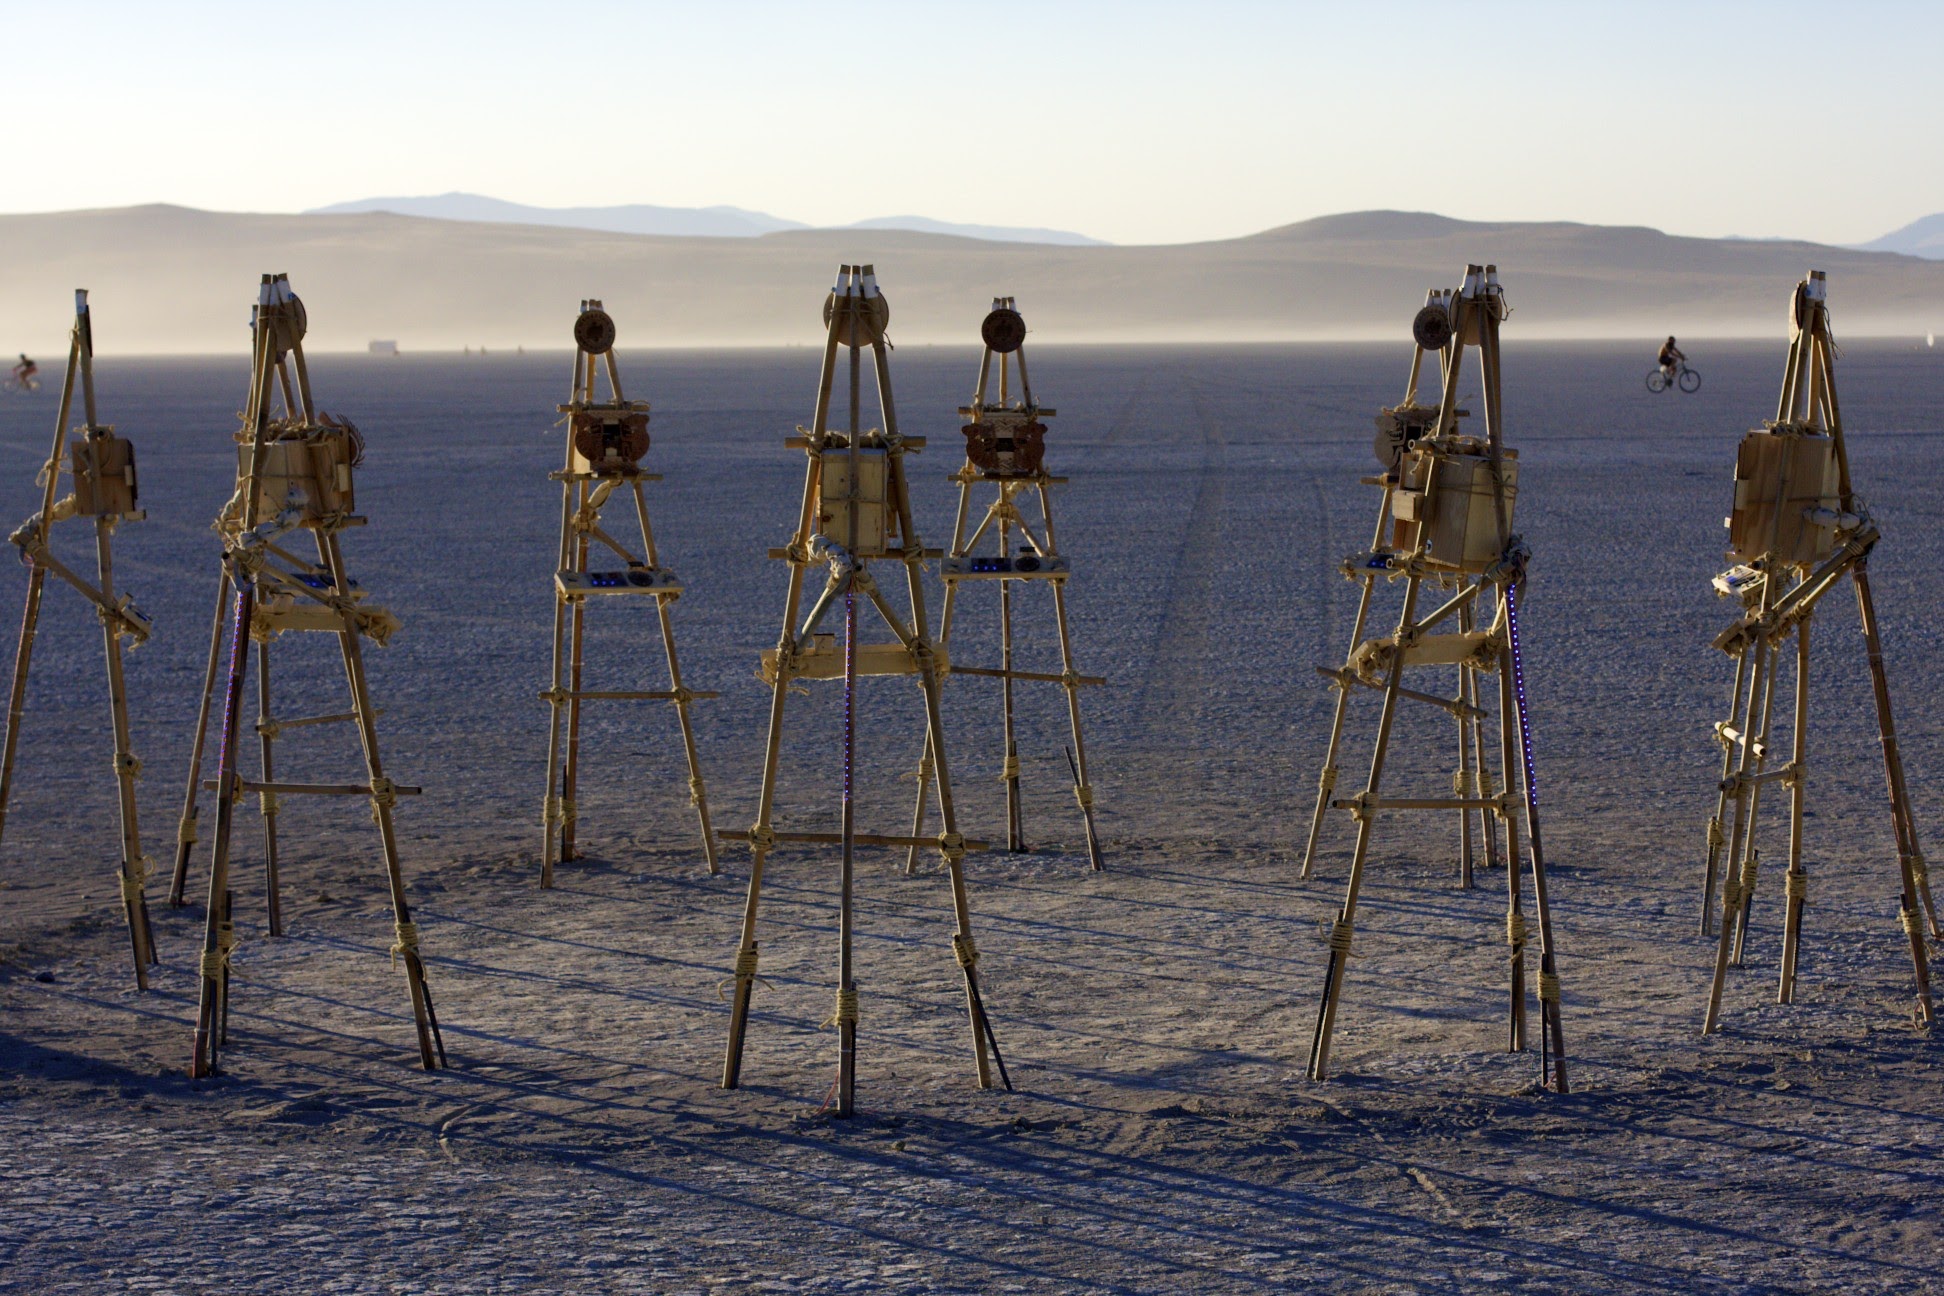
column 1137, row 123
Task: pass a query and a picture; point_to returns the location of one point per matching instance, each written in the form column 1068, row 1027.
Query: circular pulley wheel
column 872, row 320
column 1431, row 327
column 594, row 332
column 1003, row 330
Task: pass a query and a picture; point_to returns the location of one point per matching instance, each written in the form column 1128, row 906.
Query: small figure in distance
column 1670, row 358
column 23, row 374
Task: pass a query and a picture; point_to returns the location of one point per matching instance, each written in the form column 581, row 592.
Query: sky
column 1132, row 122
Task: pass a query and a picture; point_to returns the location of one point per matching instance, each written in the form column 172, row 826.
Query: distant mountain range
column 682, row 222
column 1923, row 237
column 172, row 279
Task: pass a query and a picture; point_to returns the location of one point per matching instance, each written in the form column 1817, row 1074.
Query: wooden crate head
column 610, row 439
column 1446, row 500
column 874, row 521
column 103, row 465
column 308, row 468
column 1787, row 498
column 1006, row 443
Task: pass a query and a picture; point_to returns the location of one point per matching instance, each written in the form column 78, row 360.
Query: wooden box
column 1447, row 501
column 316, row 465
column 104, row 475
column 873, row 523
column 1781, row 478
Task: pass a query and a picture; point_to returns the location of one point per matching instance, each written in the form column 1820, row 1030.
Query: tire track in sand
column 1174, row 689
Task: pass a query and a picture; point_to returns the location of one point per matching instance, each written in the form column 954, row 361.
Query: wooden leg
column 1009, row 765
column 1326, row 781
column 134, row 866
column 1082, row 783
column 1751, row 856
column 266, row 734
column 845, row 1015
column 1914, row 901
column 570, row 776
column 1796, row 885
column 557, row 709
column 1731, row 906
column 1512, row 697
column 918, row 805
column 186, row 830
column 17, row 697
column 760, row 842
column 1366, row 813
column 698, row 790
column 405, row 945
column 214, row 965
column 1716, row 836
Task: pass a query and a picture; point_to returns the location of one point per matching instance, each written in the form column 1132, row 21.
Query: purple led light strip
column 1518, row 686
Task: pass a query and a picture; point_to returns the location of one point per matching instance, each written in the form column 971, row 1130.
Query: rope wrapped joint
column 126, row 763
column 384, row 796
column 844, row 1012
column 1515, row 929
column 1795, row 885
column 1009, row 770
column 1327, row 780
column 405, row 941
column 1549, row 987
column 965, row 951
column 1083, row 793
column 952, row 846
column 744, row 971
column 1340, row 937
column 761, row 838
column 550, row 812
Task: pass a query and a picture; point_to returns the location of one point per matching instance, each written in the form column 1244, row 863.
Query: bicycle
column 16, row 383
column 1689, row 380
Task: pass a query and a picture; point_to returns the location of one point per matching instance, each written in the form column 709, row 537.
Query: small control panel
column 1739, row 581
column 321, row 582
column 1025, row 566
column 632, row 580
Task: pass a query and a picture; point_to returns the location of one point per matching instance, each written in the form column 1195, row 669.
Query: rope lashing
column 761, row 838
column 1549, row 987
column 1009, row 770
column 384, row 796
column 1795, row 885
column 1716, row 838
column 681, row 696
column 214, row 964
column 405, row 940
column 745, row 970
column 697, row 794
column 1083, row 793
column 1515, row 929
column 554, row 695
column 132, row 877
column 1919, row 874
column 924, row 771
column 965, row 951
column 1326, row 781
column 1750, row 868
column 127, row 763
column 1341, row 934
column 1070, row 678
column 844, row 1013
column 567, row 815
column 1362, row 806
column 550, row 813
column 1461, row 783
column 268, row 728
column 1912, row 927
column 269, row 804
column 186, row 830
column 952, row 846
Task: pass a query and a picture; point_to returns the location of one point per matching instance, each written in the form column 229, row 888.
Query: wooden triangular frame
column 855, row 511
column 1452, row 499
column 613, row 428
column 101, row 467
column 294, row 471
column 1008, row 435
column 1798, row 538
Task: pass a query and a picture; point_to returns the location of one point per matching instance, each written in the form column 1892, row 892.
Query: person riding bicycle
column 24, row 371
column 1671, row 358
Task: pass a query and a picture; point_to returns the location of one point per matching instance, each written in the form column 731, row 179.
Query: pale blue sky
column 1135, row 122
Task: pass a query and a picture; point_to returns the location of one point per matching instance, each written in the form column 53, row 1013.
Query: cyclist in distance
column 1671, row 358
column 23, row 373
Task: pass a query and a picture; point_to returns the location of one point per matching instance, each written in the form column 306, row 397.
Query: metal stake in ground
column 855, row 511
column 606, row 441
column 101, row 468
column 1798, row 528
column 1005, row 447
column 294, row 475
column 1446, row 527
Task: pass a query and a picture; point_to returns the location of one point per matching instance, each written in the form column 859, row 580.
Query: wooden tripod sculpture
column 1798, row 528
column 102, row 468
column 1005, row 444
column 605, row 443
column 1452, row 503
column 855, row 511
column 1398, row 428
column 293, row 475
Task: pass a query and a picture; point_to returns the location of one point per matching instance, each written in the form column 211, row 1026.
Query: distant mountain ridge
column 680, row 222
column 176, row 280
column 1923, row 237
